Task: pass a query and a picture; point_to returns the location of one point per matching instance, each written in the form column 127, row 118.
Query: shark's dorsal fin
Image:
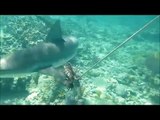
column 55, row 34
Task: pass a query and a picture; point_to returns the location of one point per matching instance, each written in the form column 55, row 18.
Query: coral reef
column 46, row 92
column 130, row 76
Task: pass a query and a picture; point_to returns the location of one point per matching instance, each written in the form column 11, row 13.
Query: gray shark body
column 54, row 52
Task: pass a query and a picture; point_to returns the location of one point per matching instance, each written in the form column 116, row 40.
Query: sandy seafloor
column 130, row 76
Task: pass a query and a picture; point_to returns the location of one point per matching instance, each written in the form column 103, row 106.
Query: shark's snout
column 71, row 42
column 74, row 41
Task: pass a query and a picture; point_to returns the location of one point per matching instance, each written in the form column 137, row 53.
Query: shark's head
column 67, row 51
column 71, row 44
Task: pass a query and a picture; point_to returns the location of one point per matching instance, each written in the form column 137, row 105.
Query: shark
column 54, row 51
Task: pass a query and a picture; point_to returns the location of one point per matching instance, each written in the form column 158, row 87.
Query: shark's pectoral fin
column 48, row 71
column 57, row 73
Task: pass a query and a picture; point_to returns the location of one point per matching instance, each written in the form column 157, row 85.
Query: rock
column 32, row 98
column 133, row 93
column 70, row 98
column 148, row 103
column 99, row 36
column 90, row 101
column 109, row 102
column 121, row 100
column 121, row 90
column 103, row 96
column 81, row 102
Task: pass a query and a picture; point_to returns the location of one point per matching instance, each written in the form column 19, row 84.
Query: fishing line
column 121, row 44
